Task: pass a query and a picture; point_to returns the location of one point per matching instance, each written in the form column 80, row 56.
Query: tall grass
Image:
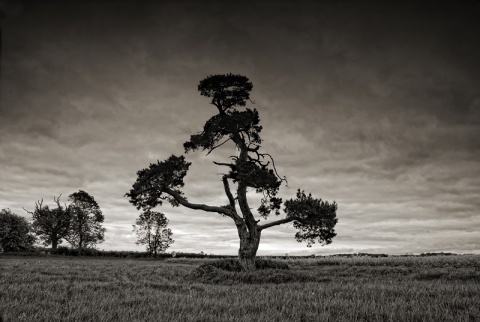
column 445, row 288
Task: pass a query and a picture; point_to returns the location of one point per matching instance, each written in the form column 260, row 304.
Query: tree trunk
column 247, row 253
column 80, row 242
column 54, row 244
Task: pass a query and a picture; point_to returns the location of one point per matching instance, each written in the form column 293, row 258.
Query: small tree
column 15, row 233
column 51, row 225
column 151, row 229
column 248, row 169
column 86, row 221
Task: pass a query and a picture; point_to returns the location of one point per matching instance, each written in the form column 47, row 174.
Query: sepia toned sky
column 373, row 104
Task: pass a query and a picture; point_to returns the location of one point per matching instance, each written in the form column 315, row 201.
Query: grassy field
column 440, row 288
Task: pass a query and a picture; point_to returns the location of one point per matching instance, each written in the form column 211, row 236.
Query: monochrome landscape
column 227, row 161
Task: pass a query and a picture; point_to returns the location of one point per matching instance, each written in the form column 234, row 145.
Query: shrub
column 65, row 251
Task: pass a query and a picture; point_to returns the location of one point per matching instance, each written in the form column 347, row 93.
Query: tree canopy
column 15, row 232
column 151, row 229
column 86, row 221
column 51, row 225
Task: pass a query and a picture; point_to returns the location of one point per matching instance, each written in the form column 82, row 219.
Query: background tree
column 151, row 229
column 15, row 234
column 248, row 169
column 86, row 221
column 50, row 225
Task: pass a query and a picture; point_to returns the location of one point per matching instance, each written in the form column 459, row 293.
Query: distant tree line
column 79, row 223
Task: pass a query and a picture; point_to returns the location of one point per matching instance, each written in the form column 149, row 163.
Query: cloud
column 376, row 108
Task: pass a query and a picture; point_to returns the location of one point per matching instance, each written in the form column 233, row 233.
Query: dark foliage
column 86, row 220
column 437, row 254
column 67, row 251
column 315, row 219
column 222, row 126
column 226, row 91
column 151, row 229
column 148, row 191
column 51, row 225
column 15, row 233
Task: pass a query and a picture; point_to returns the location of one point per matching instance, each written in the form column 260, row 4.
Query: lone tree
column 86, row 221
column 151, row 229
column 250, row 168
column 15, row 233
column 51, row 225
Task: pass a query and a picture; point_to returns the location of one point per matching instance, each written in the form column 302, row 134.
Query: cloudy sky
column 375, row 105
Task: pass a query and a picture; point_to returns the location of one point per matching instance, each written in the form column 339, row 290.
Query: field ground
column 439, row 288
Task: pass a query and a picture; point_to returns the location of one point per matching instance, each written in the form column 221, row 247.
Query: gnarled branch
column 227, row 191
column 181, row 200
column 284, row 221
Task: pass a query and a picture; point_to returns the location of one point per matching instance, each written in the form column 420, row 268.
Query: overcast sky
column 375, row 105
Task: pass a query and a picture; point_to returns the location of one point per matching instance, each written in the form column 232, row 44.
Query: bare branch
column 283, row 221
column 57, row 201
column 225, row 164
column 227, row 191
column 276, row 223
column 274, row 167
column 219, row 145
column 38, row 206
column 27, row 211
column 218, row 106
